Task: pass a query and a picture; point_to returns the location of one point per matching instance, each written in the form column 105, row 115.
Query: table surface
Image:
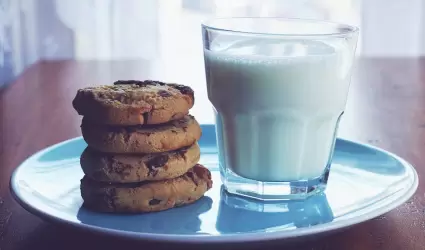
column 386, row 108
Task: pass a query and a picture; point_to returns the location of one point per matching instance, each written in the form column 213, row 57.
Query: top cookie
column 134, row 102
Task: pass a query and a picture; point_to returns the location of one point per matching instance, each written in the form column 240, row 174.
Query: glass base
column 269, row 191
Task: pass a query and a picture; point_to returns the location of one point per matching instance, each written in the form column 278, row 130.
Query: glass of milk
column 279, row 89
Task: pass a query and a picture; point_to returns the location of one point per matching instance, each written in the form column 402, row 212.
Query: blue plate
column 365, row 182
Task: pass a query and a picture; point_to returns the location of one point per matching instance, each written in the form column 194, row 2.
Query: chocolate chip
column 164, row 93
column 155, row 163
column 185, row 90
column 145, row 117
column 128, row 82
column 138, row 83
column 192, row 177
column 203, row 173
column 154, row 202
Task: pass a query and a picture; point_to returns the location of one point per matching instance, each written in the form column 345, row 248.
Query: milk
column 277, row 104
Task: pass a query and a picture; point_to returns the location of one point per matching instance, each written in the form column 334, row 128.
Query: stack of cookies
column 142, row 153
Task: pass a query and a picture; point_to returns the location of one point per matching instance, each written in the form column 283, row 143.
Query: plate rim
column 228, row 238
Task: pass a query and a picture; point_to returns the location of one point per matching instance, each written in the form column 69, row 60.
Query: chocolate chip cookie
column 134, row 102
column 142, row 138
column 146, row 196
column 124, row 168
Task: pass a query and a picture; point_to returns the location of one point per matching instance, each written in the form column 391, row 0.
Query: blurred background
column 161, row 39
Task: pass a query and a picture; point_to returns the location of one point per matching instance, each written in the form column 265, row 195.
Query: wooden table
column 386, row 108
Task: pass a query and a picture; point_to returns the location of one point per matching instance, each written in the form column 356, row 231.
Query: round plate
column 364, row 182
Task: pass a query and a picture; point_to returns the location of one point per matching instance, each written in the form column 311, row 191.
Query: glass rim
column 346, row 29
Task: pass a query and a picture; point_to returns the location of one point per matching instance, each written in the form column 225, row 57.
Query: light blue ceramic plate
column 365, row 182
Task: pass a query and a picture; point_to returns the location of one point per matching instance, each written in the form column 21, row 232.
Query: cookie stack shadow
column 143, row 152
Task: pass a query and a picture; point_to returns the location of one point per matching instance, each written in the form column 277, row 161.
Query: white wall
column 393, row 27
column 32, row 30
column 168, row 30
column 18, row 37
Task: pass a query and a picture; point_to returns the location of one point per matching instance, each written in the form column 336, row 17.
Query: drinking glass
column 279, row 89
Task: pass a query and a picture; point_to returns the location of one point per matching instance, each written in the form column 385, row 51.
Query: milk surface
column 277, row 105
